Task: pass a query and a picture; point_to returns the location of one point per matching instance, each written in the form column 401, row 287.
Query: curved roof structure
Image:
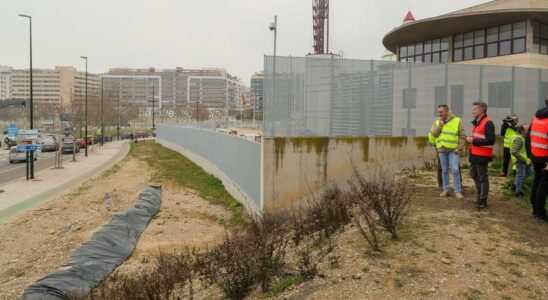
column 482, row 16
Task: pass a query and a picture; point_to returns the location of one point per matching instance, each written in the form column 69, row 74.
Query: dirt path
column 447, row 250
column 39, row 241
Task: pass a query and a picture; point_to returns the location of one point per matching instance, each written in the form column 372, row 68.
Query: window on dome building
column 432, row 51
column 495, row 41
column 540, row 38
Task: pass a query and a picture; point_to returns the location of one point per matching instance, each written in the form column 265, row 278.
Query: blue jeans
column 522, row 171
column 450, row 160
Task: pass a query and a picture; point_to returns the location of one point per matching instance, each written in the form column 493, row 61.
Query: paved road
column 10, row 172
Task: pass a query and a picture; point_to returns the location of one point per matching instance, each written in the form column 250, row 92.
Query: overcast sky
column 231, row 34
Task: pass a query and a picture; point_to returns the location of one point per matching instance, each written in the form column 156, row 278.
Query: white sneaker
column 459, row 195
column 444, row 194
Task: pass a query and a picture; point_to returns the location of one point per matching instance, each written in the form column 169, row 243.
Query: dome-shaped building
column 502, row 32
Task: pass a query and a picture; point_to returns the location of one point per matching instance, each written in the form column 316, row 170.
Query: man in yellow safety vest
column 450, row 140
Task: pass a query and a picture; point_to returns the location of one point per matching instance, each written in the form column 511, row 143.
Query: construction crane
column 320, row 26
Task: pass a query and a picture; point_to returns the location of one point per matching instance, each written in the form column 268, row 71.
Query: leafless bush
column 380, row 201
column 232, row 265
column 314, row 227
column 324, row 216
column 168, row 272
column 269, row 236
column 272, row 245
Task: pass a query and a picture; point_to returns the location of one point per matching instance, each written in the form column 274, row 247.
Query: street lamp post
column 86, row 108
column 31, row 157
column 273, row 27
column 153, row 124
column 102, row 115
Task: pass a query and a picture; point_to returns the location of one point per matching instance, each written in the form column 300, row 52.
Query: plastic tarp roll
column 98, row 257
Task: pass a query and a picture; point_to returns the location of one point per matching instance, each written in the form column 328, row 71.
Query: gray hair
column 481, row 105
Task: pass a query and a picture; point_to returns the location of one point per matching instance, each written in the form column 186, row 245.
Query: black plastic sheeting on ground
column 98, row 257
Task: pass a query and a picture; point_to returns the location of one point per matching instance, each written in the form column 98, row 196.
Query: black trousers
column 539, row 190
column 478, row 172
column 506, row 160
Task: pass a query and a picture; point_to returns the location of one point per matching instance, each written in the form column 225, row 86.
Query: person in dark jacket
column 481, row 151
column 508, row 131
column 536, row 144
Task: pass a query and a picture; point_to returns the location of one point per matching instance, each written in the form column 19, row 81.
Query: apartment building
column 175, row 89
column 5, row 82
column 257, row 89
column 55, row 90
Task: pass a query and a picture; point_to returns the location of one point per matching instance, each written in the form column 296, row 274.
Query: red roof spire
column 409, row 17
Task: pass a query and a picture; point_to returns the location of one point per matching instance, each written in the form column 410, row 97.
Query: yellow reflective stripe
column 449, row 133
column 438, row 141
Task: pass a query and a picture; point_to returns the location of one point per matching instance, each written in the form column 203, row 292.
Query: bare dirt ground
column 447, row 250
column 40, row 240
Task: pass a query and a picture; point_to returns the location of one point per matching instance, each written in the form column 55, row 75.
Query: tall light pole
column 102, row 114
column 153, row 124
column 31, row 171
column 86, row 108
column 273, row 27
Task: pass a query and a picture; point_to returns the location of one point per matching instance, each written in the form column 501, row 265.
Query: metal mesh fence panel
column 326, row 95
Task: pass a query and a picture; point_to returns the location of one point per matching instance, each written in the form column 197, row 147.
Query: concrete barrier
column 295, row 167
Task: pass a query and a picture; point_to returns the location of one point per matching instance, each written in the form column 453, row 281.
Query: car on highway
column 49, row 143
column 70, row 145
column 19, row 155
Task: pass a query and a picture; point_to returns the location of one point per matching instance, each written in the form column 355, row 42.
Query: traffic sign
column 12, row 130
column 28, row 148
column 27, row 135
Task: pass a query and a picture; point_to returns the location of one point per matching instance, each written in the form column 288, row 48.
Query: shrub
column 380, row 201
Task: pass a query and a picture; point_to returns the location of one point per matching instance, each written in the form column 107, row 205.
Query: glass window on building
column 540, row 38
column 435, row 45
column 495, row 41
column 435, row 51
column 479, row 51
column 457, row 55
column 492, row 34
column 505, row 48
column 458, row 41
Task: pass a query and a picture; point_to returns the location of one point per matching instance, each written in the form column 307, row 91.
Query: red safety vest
column 478, row 133
column 539, row 140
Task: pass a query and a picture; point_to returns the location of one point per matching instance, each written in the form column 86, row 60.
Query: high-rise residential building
column 175, row 89
column 5, row 82
column 257, row 89
column 55, row 90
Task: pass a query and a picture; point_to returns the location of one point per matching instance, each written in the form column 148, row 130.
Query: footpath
column 21, row 195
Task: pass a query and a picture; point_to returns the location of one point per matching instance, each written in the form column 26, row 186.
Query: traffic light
column 23, row 104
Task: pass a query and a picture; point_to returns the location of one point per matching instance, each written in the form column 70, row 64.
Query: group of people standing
column 525, row 145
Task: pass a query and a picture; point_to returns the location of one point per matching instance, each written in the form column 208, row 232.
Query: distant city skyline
column 232, row 35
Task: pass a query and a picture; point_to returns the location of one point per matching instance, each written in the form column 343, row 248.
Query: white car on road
column 19, row 155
